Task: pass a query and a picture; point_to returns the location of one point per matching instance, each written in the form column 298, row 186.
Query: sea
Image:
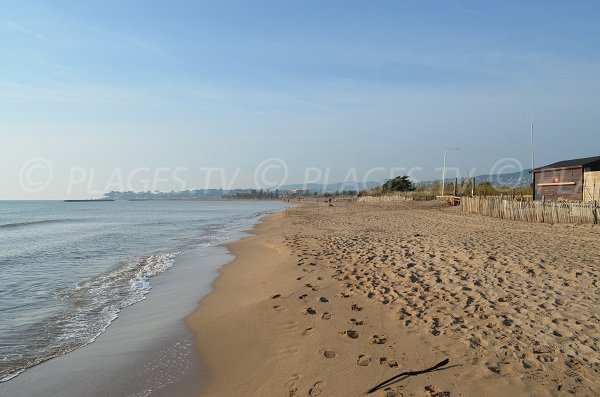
column 68, row 269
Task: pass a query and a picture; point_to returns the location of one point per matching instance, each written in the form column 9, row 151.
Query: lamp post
column 444, row 170
column 532, row 157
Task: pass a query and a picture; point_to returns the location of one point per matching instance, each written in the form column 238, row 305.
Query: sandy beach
column 331, row 301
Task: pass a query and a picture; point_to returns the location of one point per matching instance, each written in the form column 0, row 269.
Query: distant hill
column 510, row 180
column 515, row 179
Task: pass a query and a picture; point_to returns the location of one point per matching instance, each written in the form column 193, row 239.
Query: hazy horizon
column 234, row 94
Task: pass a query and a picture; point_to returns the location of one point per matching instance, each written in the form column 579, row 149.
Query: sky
column 175, row 95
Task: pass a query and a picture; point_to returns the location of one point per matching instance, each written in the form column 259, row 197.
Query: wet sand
column 330, row 301
column 147, row 351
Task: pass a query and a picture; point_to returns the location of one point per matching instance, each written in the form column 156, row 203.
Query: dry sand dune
column 330, row 301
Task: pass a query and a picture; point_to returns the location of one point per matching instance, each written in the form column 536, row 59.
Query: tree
column 398, row 184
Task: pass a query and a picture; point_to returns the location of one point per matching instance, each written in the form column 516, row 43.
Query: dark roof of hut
column 583, row 162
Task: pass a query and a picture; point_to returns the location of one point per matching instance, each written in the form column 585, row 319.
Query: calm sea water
column 67, row 269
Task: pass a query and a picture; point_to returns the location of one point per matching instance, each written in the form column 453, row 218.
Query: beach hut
column 570, row 180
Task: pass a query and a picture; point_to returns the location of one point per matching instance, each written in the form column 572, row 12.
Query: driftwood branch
column 408, row 373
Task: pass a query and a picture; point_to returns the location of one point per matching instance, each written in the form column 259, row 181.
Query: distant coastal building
column 300, row 192
column 571, row 180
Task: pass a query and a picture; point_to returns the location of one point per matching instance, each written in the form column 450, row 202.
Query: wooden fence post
column 543, row 208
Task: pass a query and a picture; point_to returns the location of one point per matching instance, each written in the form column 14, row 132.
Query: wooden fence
column 532, row 211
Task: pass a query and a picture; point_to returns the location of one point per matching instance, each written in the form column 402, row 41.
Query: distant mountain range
column 515, row 179
column 511, row 180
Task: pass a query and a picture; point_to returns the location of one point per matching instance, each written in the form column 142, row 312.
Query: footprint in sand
column 310, row 310
column 435, row 391
column 292, row 385
column 317, row 389
column 292, row 389
column 303, row 296
column 275, row 296
column 329, row 354
column 356, row 322
column 352, row 334
column 389, row 392
column 308, row 331
column 363, row 360
column 326, row 316
column 292, row 325
column 323, row 299
column 378, row 340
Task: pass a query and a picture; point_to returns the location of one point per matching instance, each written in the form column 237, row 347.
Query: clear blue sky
column 331, row 84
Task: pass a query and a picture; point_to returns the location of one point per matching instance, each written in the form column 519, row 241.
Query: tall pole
column 444, row 170
column 444, row 173
column 532, row 154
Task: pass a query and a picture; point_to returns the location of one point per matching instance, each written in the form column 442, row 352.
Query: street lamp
column 444, row 170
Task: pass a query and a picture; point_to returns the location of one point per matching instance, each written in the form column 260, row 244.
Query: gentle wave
column 32, row 223
column 65, row 316
column 90, row 308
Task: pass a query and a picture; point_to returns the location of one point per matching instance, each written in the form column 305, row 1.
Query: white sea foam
column 62, row 320
column 90, row 308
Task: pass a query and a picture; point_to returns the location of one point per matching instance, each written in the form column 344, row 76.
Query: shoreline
column 149, row 348
column 218, row 303
column 309, row 307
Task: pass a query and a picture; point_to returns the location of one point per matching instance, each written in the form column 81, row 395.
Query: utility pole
column 444, row 174
column 532, row 155
column 444, row 170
